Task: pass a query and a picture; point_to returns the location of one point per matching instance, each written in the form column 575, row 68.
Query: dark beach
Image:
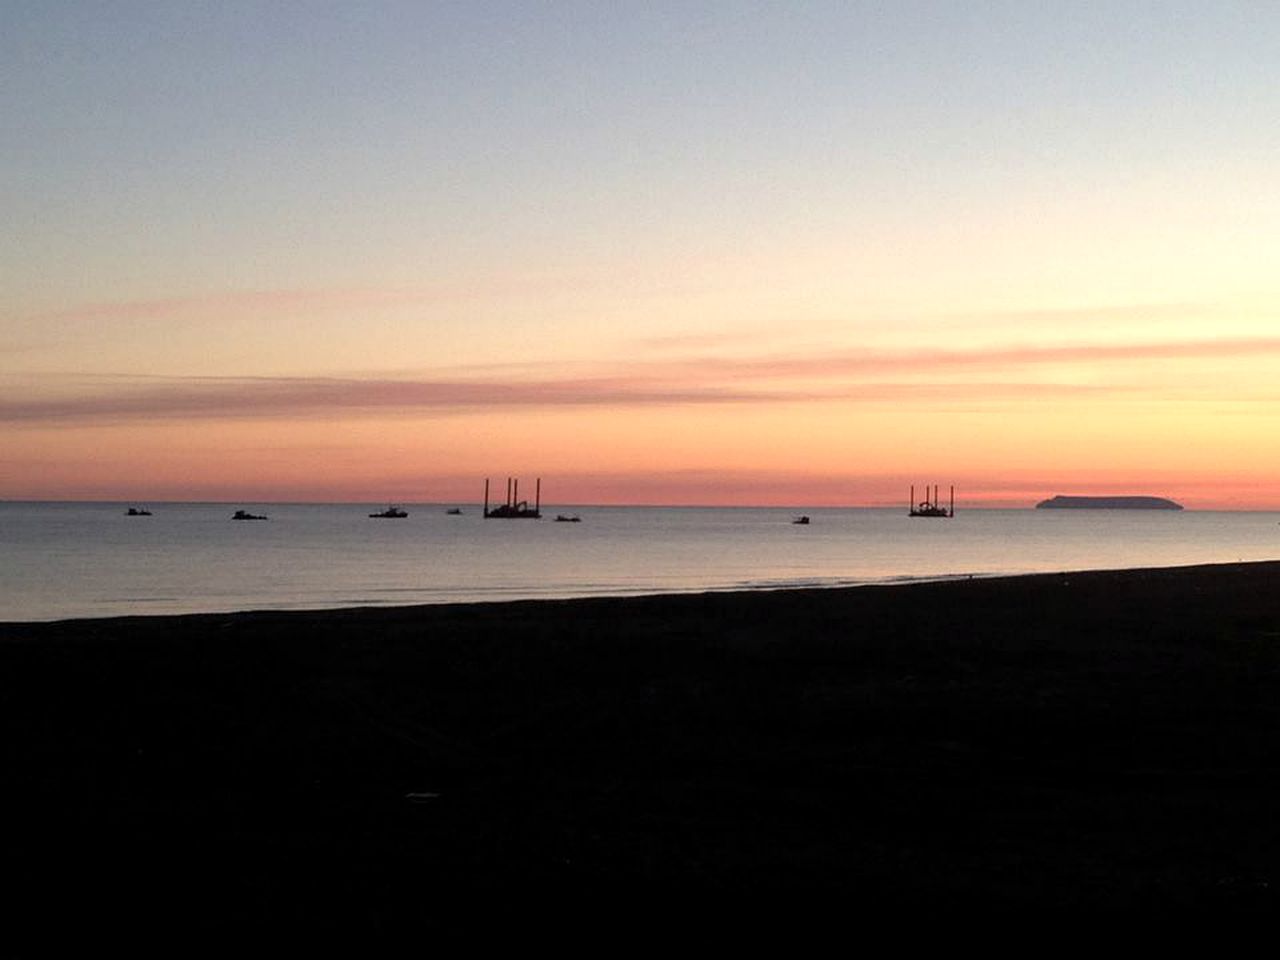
column 1095, row 742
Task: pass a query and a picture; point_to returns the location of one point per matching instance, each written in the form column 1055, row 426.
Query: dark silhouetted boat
column 801, row 521
column 931, row 508
column 391, row 513
column 561, row 518
column 246, row 515
column 137, row 512
column 454, row 511
column 513, row 508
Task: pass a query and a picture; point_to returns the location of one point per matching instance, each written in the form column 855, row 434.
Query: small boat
column 245, row 515
column 137, row 512
column 454, row 511
column 393, row 513
column 561, row 518
column 802, row 521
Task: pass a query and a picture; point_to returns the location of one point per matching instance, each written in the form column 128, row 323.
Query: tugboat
column 137, row 512
column 391, row 513
column 245, row 515
column 801, row 521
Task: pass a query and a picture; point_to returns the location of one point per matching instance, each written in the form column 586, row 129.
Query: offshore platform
column 931, row 508
column 513, row 508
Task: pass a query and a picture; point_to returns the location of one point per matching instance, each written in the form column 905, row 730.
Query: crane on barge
column 931, row 508
column 514, row 508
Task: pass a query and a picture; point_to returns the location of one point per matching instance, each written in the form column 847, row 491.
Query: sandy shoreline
column 1101, row 741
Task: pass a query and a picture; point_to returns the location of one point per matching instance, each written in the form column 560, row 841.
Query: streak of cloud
column 483, row 287
column 1109, row 314
column 285, row 301
column 852, row 362
column 851, row 376
column 287, row 397
column 203, row 398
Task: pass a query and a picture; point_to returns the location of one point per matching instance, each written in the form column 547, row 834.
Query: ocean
column 64, row 560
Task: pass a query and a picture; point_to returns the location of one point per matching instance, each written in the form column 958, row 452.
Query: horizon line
column 986, row 505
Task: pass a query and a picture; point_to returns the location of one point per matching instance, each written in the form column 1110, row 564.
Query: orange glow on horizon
column 625, row 459
column 693, row 420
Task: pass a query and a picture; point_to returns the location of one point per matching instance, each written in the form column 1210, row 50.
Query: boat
column 561, row 518
column 802, row 521
column 245, row 515
column 513, row 508
column 454, row 511
column 137, row 512
column 931, row 508
column 392, row 513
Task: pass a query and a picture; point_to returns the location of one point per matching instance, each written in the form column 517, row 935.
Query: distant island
column 1107, row 503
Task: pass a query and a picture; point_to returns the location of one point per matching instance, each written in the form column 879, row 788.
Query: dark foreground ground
column 1101, row 741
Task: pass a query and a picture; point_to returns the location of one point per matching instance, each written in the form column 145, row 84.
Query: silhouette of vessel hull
column 391, row 513
column 245, row 515
column 517, row 511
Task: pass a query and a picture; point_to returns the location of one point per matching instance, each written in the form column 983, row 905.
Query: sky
column 681, row 253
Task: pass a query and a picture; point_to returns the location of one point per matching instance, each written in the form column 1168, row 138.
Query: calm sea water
column 60, row 560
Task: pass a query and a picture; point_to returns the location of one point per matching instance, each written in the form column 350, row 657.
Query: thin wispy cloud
column 855, row 362
column 496, row 286
column 204, row 398
column 1063, row 318
column 853, row 376
column 704, row 341
column 1108, row 314
column 284, row 300
column 197, row 398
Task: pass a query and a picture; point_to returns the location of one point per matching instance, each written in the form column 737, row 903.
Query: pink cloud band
column 799, row 379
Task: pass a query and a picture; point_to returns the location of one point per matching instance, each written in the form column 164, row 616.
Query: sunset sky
column 740, row 253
